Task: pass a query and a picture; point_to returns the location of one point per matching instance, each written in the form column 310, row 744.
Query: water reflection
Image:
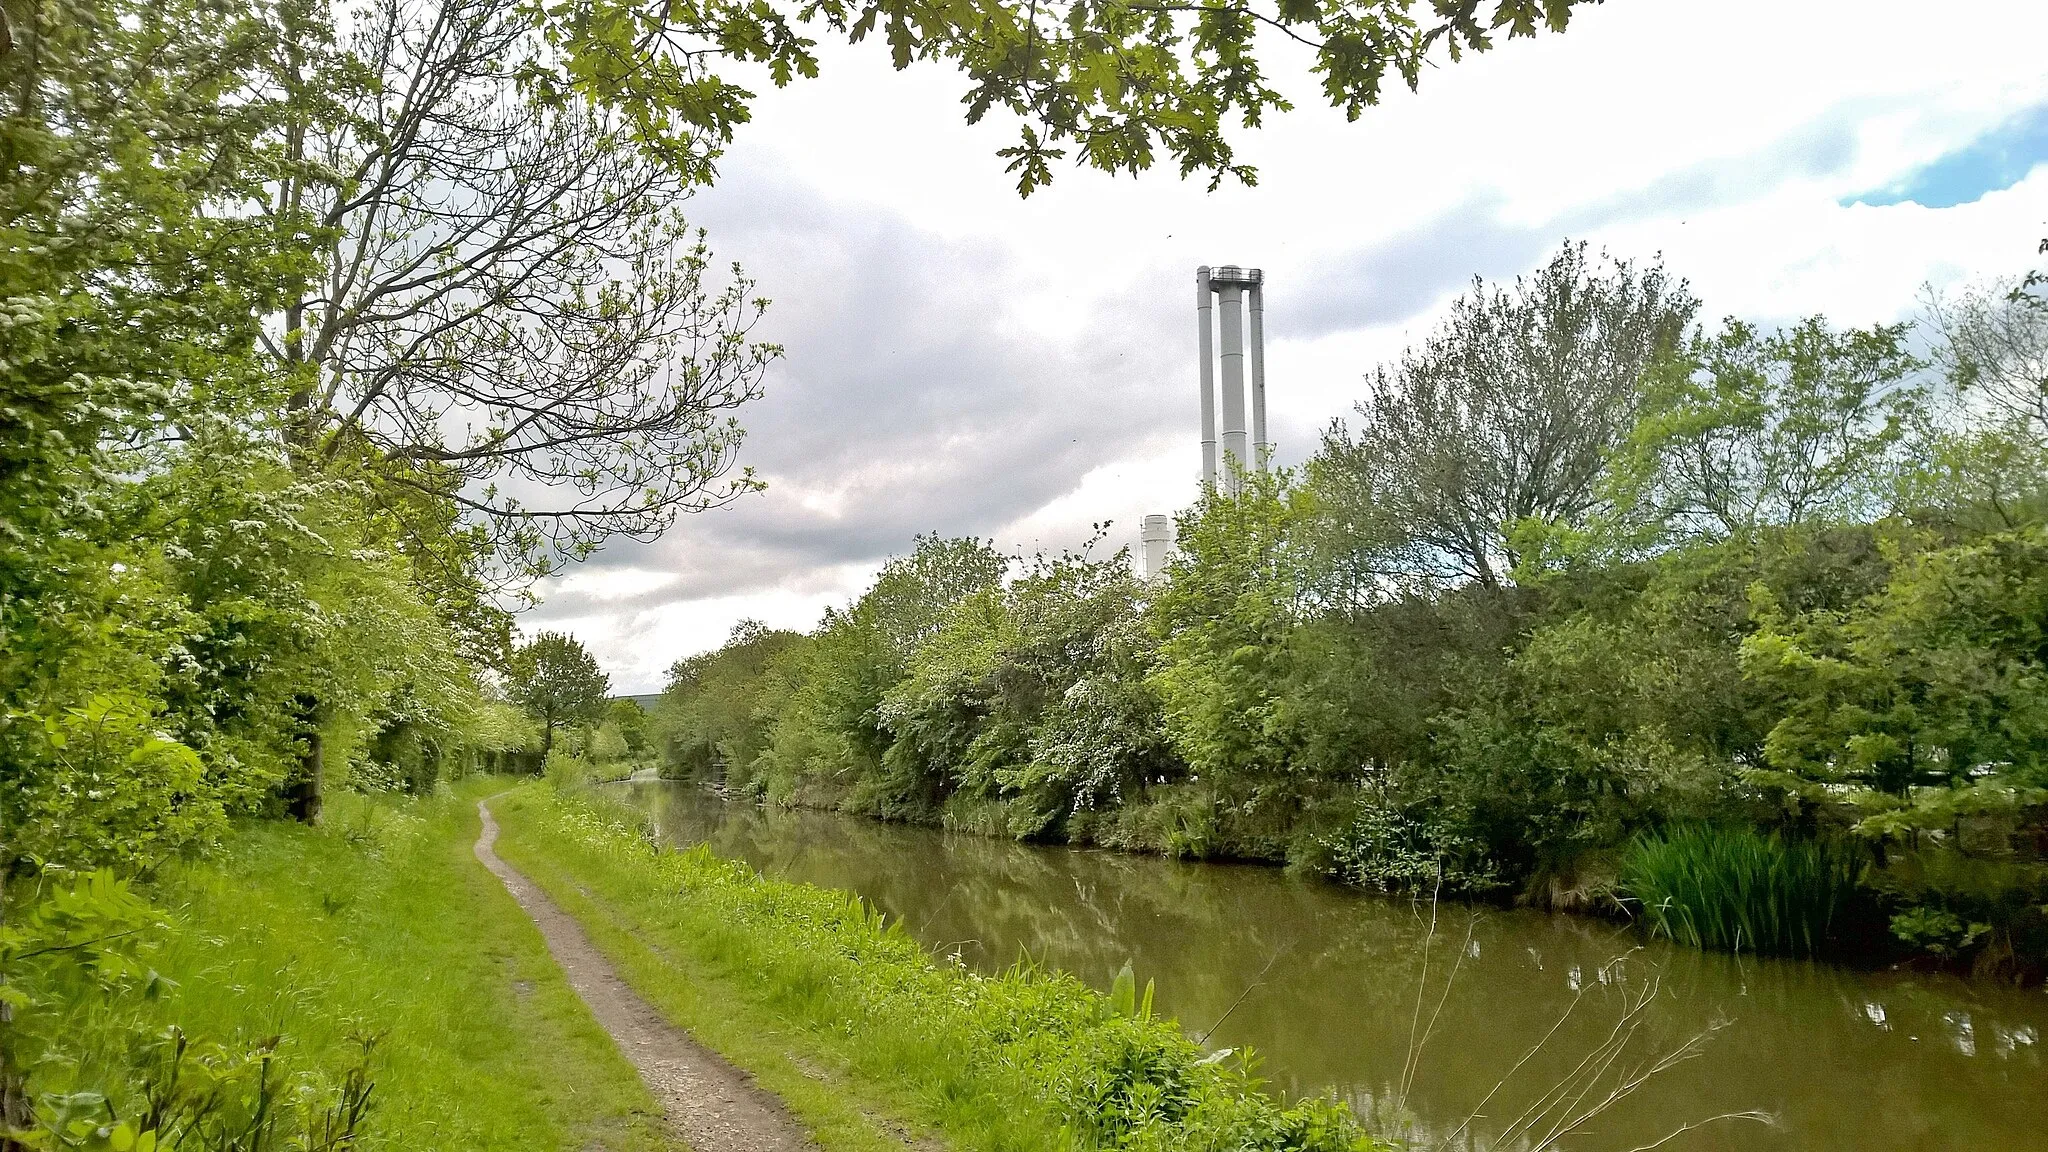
column 1462, row 1021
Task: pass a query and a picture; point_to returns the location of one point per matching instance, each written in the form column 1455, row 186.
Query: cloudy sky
column 965, row 362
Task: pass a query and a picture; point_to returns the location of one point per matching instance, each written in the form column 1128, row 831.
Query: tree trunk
column 15, row 1114
column 304, row 797
column 547, row 743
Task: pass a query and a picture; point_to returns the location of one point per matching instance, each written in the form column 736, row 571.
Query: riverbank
column 1324, row 982
column 281, row 956
column 811, row 991
column 1845, row 926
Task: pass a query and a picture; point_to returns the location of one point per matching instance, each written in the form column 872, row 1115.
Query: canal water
column 1477, row 1029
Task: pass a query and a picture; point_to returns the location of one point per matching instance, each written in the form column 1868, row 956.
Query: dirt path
column 712, row 1105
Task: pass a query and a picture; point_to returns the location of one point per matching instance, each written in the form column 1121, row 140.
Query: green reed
column 1739, row 890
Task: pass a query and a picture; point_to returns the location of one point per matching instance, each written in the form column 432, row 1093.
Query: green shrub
column 566, row 771
column 1936, row 931
column 1988, row 911
column 1739, row 890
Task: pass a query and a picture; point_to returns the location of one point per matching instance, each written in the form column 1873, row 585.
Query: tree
column 1994, row 346
column 1224, row 617
column 1031, row 691
column 1506, row 415
column 558, row 682
column 1744, row 430
column 1923, row 706
column 716, row 711
column 834, row 724
column 1115, row 85
column 630, row 720
column 513, row 316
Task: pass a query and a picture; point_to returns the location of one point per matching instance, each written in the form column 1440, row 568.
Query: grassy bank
column 821, row 1000
column 298, row 944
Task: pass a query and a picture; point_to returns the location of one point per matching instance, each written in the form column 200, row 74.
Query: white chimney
column 1235, row 291
column 1157, row 534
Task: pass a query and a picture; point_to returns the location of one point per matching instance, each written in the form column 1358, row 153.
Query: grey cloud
column 901, row 400
column 1388, row 282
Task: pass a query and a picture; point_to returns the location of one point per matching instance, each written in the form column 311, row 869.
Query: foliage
column 394, row 975
column 1737, row 889
column 1504, row 419
column 833, row 724
column 1578, row 577
column 1921, row 706
column 714, row 718
column 1114, row 86
column 629, row 720
column 1025, row 1059
column 556, row 679
column 1745, row 430
column 1026, row 693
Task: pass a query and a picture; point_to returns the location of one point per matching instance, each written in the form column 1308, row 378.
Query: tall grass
column 369, row 965
column 1739, row 890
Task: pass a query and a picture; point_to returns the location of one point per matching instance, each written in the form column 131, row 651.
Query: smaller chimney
column 1157, row 534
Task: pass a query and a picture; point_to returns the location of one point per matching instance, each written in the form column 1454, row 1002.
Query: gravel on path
column 711, row 1105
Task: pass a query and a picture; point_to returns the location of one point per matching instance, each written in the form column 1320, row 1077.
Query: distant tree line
column 1580, row 577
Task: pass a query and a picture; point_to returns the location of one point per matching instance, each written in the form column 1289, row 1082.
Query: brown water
column 1342, row 991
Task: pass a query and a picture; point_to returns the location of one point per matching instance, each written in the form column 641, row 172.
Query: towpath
column 711, row 1105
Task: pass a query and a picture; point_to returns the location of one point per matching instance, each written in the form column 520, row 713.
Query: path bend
column 711, row 1105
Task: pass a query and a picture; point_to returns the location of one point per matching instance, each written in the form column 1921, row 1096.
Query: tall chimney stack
column 1230, row 298
column 1260, row 445
column 1157, row 533
column 1235, row 291
column 1203, row 305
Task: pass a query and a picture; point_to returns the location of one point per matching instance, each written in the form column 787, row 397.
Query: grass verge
column 297, row 943
column 811, row 991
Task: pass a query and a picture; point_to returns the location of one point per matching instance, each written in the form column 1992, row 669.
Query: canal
column 1474, row 1028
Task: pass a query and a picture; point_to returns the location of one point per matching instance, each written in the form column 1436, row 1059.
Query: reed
column 1739, row 890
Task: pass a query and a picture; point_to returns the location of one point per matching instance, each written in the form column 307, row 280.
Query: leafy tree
column 513, row 317
column 1114, row 86
column 1933, row 685
column 1744, row 430
column 1031, row 692
column 629, row 719
column 715, row 714
column 835, row 726
column 1224, row 618
column 558, row 682
column 1994, row 347
column 1506, row 415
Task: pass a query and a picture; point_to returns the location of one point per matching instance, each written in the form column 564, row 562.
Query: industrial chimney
column 1157, row 534
column 1234, row 292
column 1239, row 294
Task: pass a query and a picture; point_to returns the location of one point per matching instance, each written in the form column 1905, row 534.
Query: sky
column 962, row 361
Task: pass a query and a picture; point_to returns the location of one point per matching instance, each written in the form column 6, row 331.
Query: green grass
column 830, row 1007
column 1739, row 890
column 380, row 922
